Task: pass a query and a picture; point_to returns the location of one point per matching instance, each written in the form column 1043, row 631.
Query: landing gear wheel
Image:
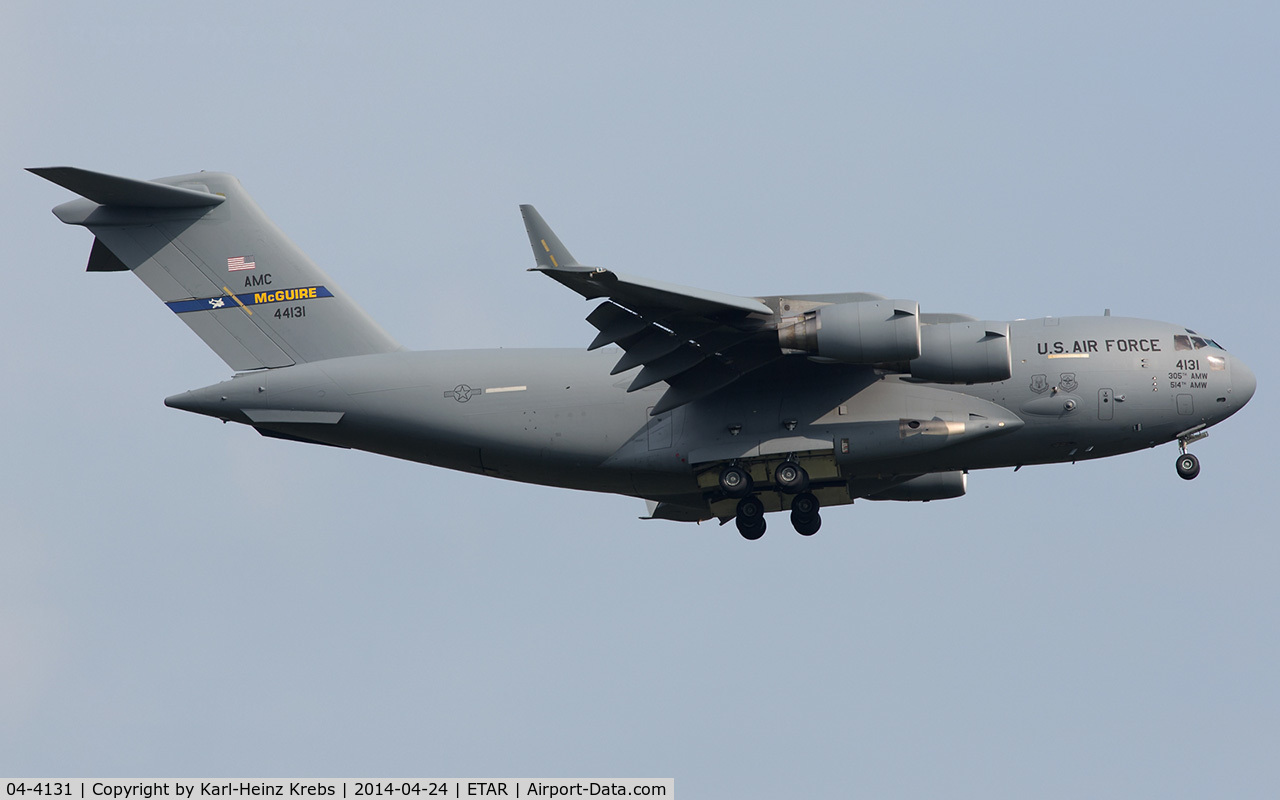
column 808, row 527
column 1188, row 466
column 750, row 518
column 791, row 477
column 736, row 482
column 804, row 514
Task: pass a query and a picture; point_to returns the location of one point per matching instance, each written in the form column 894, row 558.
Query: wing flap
column 668, row 366
column 695, row 386
column 650, row 345
column 614, row 323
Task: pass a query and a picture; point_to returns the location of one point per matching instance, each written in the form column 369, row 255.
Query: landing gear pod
column 933, row 486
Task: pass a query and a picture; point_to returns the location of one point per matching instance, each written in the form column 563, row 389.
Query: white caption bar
column 83, row 789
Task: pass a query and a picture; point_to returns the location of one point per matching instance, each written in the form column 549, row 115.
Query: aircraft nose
column 1243, row 383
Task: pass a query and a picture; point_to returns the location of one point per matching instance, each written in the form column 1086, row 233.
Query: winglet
column 112, row 190
column 548, row 250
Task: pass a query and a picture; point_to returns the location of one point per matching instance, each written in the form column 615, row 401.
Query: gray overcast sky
column 183, row 598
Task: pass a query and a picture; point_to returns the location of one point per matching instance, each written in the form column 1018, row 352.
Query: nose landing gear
column 1188, row 465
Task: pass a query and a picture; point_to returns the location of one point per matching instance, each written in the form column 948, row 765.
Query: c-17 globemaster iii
column 707, row 405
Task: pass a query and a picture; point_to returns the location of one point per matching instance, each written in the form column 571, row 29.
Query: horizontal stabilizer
column 112, row 190
column 291, row 416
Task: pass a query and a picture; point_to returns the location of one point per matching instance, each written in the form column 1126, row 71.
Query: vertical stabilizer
column 214, row 258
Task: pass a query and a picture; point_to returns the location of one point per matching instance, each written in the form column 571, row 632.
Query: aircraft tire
column 736, row 482
column 750, row 518
column 791, row 477
column 808, row 527
column 1188, row 466
column 804, row 514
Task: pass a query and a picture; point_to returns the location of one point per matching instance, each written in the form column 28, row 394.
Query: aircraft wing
column 697, row 341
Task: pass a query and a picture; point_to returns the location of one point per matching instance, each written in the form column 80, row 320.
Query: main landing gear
column 789, row 478
column 804, row 514
column 750, row 518
column 736, row 482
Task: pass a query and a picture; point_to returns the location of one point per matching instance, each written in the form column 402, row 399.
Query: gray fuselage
column 1082, row 387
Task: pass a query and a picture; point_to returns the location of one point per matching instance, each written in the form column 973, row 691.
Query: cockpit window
column 1193, row 342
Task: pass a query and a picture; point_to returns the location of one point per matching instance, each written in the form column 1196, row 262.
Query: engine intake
column 865, row 332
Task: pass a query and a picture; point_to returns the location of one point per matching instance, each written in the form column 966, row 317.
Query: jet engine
column 866, row 332
column 964, row 352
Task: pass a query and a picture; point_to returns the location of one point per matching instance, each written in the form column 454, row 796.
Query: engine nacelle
column 934, row 486
column 964, row 352
column 866, row 332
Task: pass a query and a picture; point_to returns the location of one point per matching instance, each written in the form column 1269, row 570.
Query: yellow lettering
column 281, row 295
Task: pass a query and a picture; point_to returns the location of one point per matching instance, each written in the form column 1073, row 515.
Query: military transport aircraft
column 707, row 405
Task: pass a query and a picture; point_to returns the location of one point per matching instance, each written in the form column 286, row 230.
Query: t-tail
column 206, row 249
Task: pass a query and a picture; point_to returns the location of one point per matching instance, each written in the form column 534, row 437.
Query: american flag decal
column 240, row 263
